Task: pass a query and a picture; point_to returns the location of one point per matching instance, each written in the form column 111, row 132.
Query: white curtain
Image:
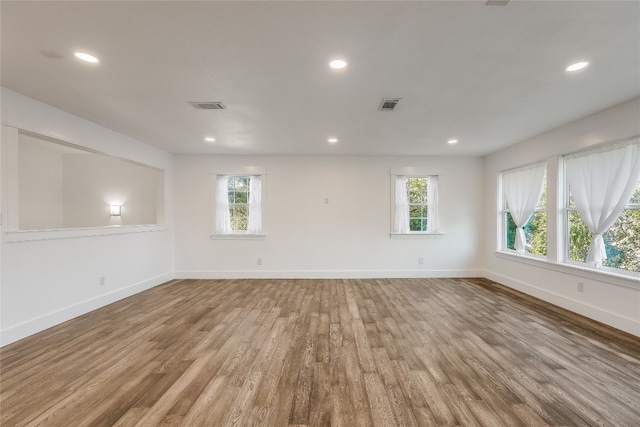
column 254, row 223
column 402, row 206
column 523, row 188
column 223, row 219
column 433, row 220
column 602, row 183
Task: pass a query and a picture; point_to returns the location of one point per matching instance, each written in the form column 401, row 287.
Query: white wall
column 40, row 177
column 92, row 183
column 46, row 282
column 610, row 300
column 348, row 237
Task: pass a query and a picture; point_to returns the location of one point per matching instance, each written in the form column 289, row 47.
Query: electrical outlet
column 580, row 287
column 259, row 261
column 420, row 261
column 102, row 281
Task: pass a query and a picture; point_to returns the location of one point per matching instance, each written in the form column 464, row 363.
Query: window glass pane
column 510, row 231
column 242, row 183
column 579, row 237
column 636, row 196
column 238, row 216
column 535, row 232
column 241, row 197
column 621, row 241
column 542, row 203
column 417, row 190
column 418, row 224
column 415, row 211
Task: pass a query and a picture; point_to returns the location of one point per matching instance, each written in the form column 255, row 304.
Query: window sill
column 415, row 235
column 72, row 233
column 630, row 280
column 238, row 236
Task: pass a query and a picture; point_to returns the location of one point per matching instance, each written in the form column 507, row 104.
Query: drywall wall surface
column 49, row 278
column 93, row 183
column 611, row 300
column 328, row 216
column 40, row 177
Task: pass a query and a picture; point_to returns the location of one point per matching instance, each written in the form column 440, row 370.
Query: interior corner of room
column 112, row 205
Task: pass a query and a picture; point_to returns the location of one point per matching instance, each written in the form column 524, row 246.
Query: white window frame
column 504, row 211
column 412, row 172
column 566, row 209
column 248, row 171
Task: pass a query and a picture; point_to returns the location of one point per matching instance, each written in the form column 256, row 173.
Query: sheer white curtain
column 602, row 184
column 402, row 206
column 433, row 219
column 523, row 188
column 254, row 222
column 223, row 219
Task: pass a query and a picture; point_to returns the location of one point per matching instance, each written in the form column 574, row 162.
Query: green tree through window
column 418, row 207
column 622, row 240
column 238, row 193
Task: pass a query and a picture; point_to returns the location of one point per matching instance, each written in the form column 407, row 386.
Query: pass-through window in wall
column 63, row 186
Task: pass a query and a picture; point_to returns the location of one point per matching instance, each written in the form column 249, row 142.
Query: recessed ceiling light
column 210, row 139
column 452, row 141
column 577, row 66
column 338, row 64
column 85, row 57
column 332, row 140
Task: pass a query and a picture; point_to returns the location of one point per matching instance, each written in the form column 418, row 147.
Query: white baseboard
column 614, row 320
column 23, row 330
column 326, row 274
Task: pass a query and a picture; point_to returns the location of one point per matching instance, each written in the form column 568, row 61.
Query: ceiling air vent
column 389, row 104
column 208, row 105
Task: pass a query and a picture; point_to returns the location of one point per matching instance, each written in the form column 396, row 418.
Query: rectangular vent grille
column 208, row 105
column 388, row 104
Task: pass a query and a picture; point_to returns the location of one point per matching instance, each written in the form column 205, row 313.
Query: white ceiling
column 489, row 76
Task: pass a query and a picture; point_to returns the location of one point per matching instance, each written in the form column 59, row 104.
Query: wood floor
column 406, row 352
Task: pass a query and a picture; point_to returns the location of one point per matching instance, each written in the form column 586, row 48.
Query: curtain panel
column 522, row 189
column 223, row 219
column 602, row 183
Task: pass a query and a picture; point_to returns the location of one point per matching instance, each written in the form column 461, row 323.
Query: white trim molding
column 328, row 274
column 615, row 320
column 33, row 326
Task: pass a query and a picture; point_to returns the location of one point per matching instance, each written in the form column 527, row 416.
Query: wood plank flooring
column 400, row 352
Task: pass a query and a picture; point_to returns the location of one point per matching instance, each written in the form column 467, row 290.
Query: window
column 524, row 212
column 239, row 204
column 416, row 204
column 602, row 207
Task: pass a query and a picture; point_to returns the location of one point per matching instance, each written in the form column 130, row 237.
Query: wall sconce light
column 116, row 210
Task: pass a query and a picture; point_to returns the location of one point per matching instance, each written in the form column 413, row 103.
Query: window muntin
column 535, row 229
